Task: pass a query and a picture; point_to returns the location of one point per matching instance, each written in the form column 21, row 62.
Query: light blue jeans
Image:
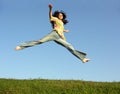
column 53, row 36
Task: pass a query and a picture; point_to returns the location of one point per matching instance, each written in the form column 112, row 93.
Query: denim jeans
column 53, row 36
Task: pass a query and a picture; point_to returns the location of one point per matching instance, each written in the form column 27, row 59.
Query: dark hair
column 56, row 13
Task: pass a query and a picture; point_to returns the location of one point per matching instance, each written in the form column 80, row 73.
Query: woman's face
column 60, row 16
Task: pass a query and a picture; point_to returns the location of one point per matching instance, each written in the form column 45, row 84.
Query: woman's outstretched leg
column 47, row 38
column 78, row 54
column 28, row 44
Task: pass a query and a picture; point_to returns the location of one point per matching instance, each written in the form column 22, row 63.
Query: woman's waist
column 61, row 34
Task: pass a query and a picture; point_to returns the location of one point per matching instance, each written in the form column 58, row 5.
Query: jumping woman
column 58, row 20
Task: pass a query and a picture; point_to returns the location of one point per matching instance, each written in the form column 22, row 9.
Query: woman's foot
column 85, row 60
column 18, row 48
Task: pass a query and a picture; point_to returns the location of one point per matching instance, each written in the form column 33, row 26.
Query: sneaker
column 85, row 60
column 18, row 48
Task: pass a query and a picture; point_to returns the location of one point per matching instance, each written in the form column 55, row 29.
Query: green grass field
column 42, row 86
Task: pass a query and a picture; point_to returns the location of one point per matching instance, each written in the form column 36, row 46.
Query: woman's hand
column 50, row 6
column 66, row 30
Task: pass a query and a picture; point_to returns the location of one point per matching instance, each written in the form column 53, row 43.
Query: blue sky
column 94, row 27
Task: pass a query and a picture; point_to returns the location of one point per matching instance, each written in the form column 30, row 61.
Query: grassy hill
column 42, row 86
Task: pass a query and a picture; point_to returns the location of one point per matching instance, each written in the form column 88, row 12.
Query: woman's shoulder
column 54, row 18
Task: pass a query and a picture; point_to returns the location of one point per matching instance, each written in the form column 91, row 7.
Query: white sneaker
column 18, row 48
column 85, row 60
